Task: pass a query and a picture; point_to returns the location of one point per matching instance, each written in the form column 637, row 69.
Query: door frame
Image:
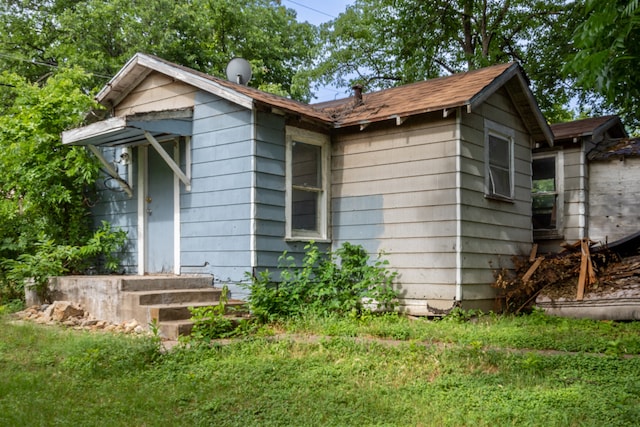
column 143, row 223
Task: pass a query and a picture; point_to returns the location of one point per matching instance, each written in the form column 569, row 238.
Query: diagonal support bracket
column 168, row 160
column 111, row 171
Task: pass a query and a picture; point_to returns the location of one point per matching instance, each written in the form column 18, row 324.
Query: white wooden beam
column 111, row 171
column 168, row 160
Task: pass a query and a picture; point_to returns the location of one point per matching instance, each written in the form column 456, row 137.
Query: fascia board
column 140, row 66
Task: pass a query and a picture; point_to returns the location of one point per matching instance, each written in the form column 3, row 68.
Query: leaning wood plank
column 534, row 252
column 590, row 270
column 583, row 275
column 532, row 269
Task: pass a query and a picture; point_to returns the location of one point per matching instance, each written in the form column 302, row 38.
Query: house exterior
column 568, row 195
column 211, row 177
column 614, row 205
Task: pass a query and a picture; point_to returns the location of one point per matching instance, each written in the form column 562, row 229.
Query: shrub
column 342, row 282
column 51, row 259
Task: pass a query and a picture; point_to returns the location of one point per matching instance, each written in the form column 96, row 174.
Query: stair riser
column 177, row 297
column 183, row 313
column 174, row 330
column 134, row 284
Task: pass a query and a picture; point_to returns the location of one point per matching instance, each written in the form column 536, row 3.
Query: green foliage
column 12, row 306
column 383, row 43
column 103, row 358
column 45, row 227
column 212, row 322
column 607, row 54
column 101, row 36
column 342, row 282
column 460, row 315
column 51, row 259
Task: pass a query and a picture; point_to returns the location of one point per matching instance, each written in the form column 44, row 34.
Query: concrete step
column 180, row 311
column 158, row 283
column 173, row 296
column 172, row 329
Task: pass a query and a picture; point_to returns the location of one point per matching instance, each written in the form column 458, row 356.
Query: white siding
column 393, row 190
column 614, row 203
column 575, row 195
column 492, row 230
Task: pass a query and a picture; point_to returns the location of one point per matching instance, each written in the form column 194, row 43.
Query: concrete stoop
column 163, row 300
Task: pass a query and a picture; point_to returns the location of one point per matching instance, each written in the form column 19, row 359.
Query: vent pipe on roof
column 357, row 93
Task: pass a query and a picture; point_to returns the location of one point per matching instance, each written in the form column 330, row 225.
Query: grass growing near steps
column 52, row 376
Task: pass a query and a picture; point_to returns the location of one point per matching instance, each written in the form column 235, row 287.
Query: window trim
column 556, row 232
column 505, row 133
column 318, row 139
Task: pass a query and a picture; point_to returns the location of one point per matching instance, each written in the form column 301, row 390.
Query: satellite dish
column 239, row 71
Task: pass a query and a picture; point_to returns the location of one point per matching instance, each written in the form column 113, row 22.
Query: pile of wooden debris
column 582, row 268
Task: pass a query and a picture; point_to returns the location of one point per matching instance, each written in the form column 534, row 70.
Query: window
column 307, row 184
column 498, row 161
column 546, row 192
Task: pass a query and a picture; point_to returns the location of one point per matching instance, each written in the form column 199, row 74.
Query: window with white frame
column 546, row 191
column 499, row 141
column 307, row 184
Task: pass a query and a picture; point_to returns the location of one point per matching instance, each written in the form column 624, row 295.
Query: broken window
column 545, row 194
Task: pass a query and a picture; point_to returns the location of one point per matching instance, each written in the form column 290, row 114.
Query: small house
column 211, row 177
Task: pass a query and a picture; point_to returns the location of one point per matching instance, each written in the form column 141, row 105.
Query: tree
column 45, row 228
column 382, row 43
column 607, row 54
column 101, row 35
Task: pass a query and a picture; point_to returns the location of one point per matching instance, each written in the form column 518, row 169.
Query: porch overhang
column 131, row 130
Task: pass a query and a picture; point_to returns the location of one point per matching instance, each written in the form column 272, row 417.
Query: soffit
column 130, row 130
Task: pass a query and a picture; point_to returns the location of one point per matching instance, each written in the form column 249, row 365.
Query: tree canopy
column 382, row 43
column 101, row 35
column 607, row 54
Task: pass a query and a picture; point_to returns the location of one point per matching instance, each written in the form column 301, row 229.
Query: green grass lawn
column 494, row 371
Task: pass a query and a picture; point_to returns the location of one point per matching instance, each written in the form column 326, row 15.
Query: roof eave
column 598, row 133
column 395, row 116
column 141, row 65
column 543, row 132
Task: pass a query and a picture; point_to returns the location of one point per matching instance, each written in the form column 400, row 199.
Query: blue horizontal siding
column 229, row 227
column 216, row 214
column 114, row 206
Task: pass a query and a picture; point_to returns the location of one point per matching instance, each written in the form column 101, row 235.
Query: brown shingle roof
column 422, row 97
column 593, row 126
column 459, row 90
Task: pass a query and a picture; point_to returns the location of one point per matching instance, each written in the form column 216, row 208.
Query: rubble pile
column 73, row 315
column 582, row 270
